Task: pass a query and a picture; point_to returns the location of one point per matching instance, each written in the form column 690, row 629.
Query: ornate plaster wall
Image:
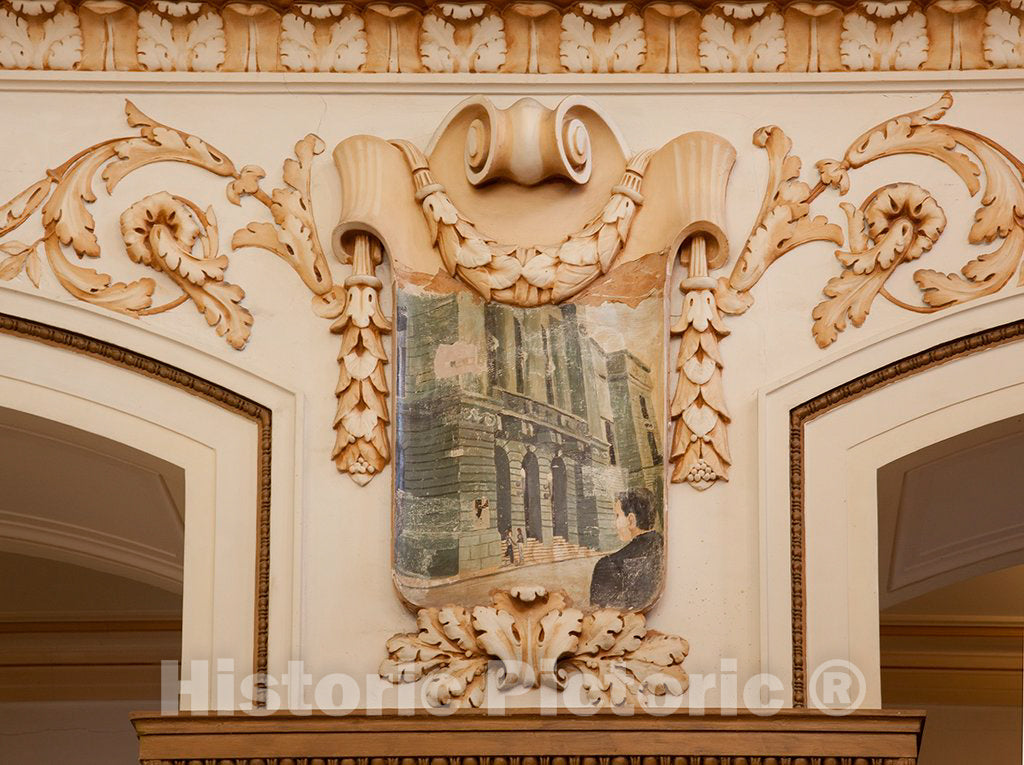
column 332, row 603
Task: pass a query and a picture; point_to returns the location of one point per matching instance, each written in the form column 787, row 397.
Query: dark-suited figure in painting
column 630, row 577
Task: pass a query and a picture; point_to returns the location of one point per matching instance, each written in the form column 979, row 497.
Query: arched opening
column 91, row 567
column 503, row 489
column 559, row 500
column 531, row 497
column 951, row 574
column 111, row 480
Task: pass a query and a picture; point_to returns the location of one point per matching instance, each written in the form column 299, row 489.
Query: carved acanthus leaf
column 17, row 210
column 782, row 223
column 483, row 50
column 294, row 238
column 19, row 256
column 872, row 42
column 31, row 42
column 175, row 44
column 343, row 51
column 1004, row 42
column 612, row 46
column 621, row 662
column 538, row 637
column 161, row 231
column 759, row 46
column 159, row 143
column 896, row 224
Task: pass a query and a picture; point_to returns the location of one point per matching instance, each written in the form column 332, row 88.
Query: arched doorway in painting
column 531, row 497
column 503, row 489
column 559, row 507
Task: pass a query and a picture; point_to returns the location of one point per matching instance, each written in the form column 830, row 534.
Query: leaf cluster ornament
column 536, row 637
column 526, row 275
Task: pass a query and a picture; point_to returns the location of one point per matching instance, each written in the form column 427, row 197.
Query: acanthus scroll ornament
column 700, row 451
column 361, row 445
column 538, row 638
column 160, row 231
column 173, row 236
column 901, row 222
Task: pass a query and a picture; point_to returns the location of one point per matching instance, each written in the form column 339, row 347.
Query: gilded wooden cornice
column 526, row 737
column 511, row 36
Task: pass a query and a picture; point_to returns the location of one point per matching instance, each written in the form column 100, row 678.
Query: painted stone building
column 513, row 420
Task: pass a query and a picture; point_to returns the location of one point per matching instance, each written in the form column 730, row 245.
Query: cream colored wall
column 332, row 603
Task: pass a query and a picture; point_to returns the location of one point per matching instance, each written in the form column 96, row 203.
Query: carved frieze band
column 511, row 36
column 547, row 760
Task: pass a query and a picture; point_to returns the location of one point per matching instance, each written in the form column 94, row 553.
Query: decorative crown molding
column 511, row 36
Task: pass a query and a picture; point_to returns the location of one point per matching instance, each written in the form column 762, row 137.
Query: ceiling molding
column 920, row 550
column 508, row 36
column 84, row 546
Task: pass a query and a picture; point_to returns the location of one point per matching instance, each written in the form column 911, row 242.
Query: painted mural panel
column 529, row 441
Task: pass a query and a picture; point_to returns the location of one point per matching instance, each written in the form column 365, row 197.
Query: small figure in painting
column 631, row 577
column 508, row 547
column 520, row 543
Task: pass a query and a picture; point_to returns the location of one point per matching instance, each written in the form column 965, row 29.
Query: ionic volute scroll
column 527, row 143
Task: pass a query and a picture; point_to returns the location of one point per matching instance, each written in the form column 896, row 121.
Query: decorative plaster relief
column 540, row 639
column 322, row 38
column 742, row 37
column 700, row 449
column 399, row 189
column 902, row 221
column 511, row 36
column 180, row 37
column 462, row 38
column 160, row 231
column 527, row 275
